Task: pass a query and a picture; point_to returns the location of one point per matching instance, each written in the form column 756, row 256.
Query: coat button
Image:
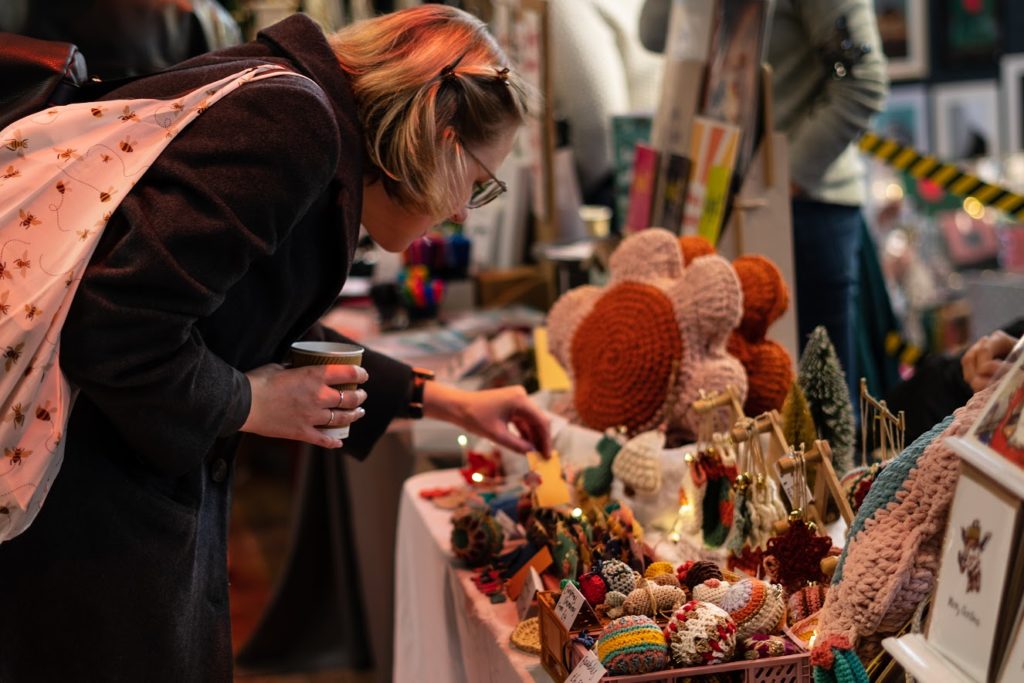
column 219, row 470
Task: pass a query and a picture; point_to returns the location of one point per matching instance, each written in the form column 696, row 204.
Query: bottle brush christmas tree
column 824, row 385
column 797, row 423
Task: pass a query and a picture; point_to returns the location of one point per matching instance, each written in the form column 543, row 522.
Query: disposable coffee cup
column 328, row 353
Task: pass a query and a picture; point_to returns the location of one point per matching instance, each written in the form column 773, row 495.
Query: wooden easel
column 722, row 399
column 890, row 428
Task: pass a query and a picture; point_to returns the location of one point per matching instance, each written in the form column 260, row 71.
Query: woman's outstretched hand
column 290, row 403
column 489, row 413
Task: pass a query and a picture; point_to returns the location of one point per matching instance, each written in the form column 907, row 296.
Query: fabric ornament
column 653, row 600
column 638, row 464
column 756, row 606
column 526, row 636
column 761, row 646
column 632, row 645
column 894, row 545
column 793, row 558
column 692, row 573
column 619, row 576
column 639, row 351
column 476, row 536
column 593, row 588
column 655, row 568
column 700, row 633
column 806, row 601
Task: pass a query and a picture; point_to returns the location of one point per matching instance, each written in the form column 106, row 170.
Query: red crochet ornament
column 793, row 559
column 593, row 588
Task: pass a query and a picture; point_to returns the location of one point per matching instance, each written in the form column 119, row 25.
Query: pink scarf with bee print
column 63, row 172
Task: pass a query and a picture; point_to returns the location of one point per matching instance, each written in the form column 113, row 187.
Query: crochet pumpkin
column 640, row 350
column 765, row 298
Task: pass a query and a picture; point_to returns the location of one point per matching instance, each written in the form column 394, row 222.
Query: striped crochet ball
column 756, row 606
column 806, row 601
column 699, row 634
column 632, row 645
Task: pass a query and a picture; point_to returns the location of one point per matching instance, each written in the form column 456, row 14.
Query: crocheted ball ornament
column 761, row 646
column 476, row 537
column 857, row 482
column 666, row 580
column 693, row 573
column 638, row 464
column 619, row 576
column 632, row 645
column 805, row 602
column 700, row 633
column 894, row 546
column 593, row 588
column 624, row 354
column 655, row 568
column 652, row 600
column 712, row 590
column 630, row 346
column 756, row 606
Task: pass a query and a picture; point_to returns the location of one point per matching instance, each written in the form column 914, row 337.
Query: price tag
column 508, row 525
column 788, row 482
column 524, row 603
column 589, row 670
column 569, row 605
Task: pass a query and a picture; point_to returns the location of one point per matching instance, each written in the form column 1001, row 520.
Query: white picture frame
column 1011, row 76
column 905, row 24
column 905, row 117
column 961, row 111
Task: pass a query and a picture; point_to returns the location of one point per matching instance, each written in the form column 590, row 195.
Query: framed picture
column 968, row 35
column 966, row 116
column 903, row 27
column 971, row 242
column 1000, row 426
column 1011, row 68
column 905, row 117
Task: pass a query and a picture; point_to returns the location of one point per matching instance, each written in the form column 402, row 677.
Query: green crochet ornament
column 597, row 480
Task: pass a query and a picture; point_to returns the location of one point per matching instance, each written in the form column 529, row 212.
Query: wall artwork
column 903, row 27
column 1012, row 89
column 966, row 116
column 905, row 117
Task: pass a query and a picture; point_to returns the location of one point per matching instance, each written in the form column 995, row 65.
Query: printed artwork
column 902, row 26
column 969, row 559
column 1000, row 427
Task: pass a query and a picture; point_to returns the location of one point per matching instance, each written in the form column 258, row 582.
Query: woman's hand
column 291, row 403
column 488, row 413
column 983, row 362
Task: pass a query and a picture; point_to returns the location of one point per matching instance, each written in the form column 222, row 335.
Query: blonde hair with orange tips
column 427, row 81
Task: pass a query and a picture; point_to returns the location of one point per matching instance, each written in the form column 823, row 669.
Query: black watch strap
column 420, row 377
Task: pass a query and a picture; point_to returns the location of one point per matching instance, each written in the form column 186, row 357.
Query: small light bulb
column 477, row 477
column 462, row 440
column 674, row 537
column 577, row 513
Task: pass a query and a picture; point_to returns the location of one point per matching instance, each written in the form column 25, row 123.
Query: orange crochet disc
column 622, row 356
column 693, row 246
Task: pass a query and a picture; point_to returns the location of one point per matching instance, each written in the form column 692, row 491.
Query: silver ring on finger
column 330, row 423
column 341, row 398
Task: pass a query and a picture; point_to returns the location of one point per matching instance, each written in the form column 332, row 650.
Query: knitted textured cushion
column 700, row 633
column 756, row 606
column 638, row 464
column 894, row 546
column 476, row 536
column 654, row 337
column 632, row 645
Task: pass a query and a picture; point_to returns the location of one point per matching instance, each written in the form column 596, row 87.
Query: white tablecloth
column 446, row 630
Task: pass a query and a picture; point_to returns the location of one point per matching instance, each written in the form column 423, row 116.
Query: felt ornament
column 593, row 588
column 640, row 350
column 632, row 645
column 692, row 573
column 653, row 600
column 805, row 602
column 638, row 464
column 699, row 634
column 824, row 385
column 797, row 422
column 476, row 537
column 756, row 606
column 793, row 558
column 597, row 480
column 762, row 646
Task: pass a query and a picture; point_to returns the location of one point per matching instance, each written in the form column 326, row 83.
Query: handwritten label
column 569, row 605
column 788, row 481
column 589, row 670
column 508, row 525
column 524, row 603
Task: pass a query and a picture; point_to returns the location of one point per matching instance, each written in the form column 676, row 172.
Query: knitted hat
column 618, row 576
column 638, row 464
column 806, row 601
column 593, row 588
column 632, row 645
column 712, row 590
column 648, row 339
column 755, row 606
column 655, row 568
column 651, row 599
column 476, row 536
column 700, row 633
column 761, row 646
column 695, row 573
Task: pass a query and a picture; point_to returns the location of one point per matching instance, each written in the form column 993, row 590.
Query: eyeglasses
column 487, row 191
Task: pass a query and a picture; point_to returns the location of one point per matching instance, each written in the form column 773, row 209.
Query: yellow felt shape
column 553, row 489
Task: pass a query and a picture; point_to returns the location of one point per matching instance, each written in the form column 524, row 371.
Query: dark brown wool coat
column 231, row 247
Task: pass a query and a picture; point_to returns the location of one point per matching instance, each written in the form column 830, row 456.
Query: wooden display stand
column 826, row 483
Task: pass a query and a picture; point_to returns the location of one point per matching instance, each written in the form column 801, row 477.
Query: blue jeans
column 826, row 244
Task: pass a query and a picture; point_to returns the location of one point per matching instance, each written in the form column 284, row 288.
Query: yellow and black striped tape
column 949, row 177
